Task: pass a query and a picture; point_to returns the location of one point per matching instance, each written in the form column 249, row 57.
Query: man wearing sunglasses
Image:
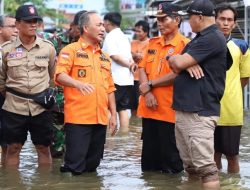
column 28, row 66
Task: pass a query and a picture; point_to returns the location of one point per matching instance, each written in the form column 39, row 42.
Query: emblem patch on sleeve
column 81, row 73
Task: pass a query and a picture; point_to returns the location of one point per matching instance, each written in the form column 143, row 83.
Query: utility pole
column 1, row 7
column 247, row 38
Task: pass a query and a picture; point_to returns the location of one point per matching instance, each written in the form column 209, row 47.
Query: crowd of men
column 187, row 92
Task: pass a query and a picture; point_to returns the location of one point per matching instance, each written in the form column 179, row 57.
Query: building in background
column 133, row 9
column 132, row 4
column 73, row 6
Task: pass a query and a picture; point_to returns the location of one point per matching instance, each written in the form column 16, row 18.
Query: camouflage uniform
column 58, row 146
column 59, row 40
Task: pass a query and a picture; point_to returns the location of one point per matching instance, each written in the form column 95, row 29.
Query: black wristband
column 150, row 84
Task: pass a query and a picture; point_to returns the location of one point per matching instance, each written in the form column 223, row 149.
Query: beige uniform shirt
column 26, row 71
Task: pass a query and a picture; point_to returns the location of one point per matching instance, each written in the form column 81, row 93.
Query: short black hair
column 114, row 17
column 77, row 17
column 144, row 24
column 225, row 6
column 40, row 20
column 2, row 17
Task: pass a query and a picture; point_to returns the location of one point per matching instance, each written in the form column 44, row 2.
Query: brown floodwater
column 119, row 170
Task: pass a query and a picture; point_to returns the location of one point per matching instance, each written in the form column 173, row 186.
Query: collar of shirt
column 174, row 42
column 85, row 45
column 229, row 37
column 208, row 29
column 19, row 42
column 115, row 30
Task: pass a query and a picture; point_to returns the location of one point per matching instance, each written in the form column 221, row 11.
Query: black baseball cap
column 201, row 7
column 166, row 9
column 77, row 17
column 27, row 12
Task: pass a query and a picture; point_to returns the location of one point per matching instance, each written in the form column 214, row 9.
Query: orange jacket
column 156, row 65
column 81, row 62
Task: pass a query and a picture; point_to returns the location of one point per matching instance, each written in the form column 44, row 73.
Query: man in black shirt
column 198, row 89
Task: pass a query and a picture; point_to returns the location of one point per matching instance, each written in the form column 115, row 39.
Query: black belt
column 22, row 95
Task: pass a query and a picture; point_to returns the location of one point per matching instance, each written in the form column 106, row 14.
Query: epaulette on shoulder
column 6, row 43
column 105, row 53
column 242, row 44
column 154, row 38
column 45, row 40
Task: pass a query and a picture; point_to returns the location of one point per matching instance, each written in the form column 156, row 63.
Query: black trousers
column 159, row 151
column 84, row 147
column 2, row 137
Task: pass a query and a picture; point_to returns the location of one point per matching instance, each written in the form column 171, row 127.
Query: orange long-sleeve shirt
column 156, row 66
column 81, row 62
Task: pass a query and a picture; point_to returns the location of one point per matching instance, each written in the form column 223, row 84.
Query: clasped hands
column 144, row 88
column 150, row 99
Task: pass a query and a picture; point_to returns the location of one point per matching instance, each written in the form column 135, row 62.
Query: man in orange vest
column 159, row 152
column 83, row 69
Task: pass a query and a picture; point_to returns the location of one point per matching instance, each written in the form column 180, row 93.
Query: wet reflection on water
column 119, row 170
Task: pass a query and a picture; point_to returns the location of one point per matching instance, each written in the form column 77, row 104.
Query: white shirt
column 116, row 43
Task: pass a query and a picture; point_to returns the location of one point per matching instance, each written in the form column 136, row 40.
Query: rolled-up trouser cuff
column 209, row 173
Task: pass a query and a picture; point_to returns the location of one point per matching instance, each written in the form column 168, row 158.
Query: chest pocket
column 82, row 71
column 105, row 73
column 41, row 67
column 149, row 65
column 16, row 67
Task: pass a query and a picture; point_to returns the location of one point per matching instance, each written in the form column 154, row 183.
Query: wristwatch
column 150, row 84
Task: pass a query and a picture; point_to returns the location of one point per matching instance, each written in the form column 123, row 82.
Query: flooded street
column 119, row 170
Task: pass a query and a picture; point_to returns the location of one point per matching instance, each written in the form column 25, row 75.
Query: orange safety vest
column 81, row 62
column 156, row 66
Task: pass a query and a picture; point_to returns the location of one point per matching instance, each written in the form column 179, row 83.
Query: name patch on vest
column 82, row 55
column 41, row 57
column 152, row 51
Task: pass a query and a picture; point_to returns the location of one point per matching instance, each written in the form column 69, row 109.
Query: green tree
column 127, row 23
column 112, row 5
column 10, row 7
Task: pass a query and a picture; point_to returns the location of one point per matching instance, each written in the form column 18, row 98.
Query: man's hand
column 151, row 101
column 144, row 88
column 133, row 67
column 84, row 88
column 137, row 57
column 195, row 71
column 113, row 125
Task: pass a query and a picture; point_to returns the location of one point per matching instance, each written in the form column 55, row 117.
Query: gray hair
column 2, row 18
column 84, row 20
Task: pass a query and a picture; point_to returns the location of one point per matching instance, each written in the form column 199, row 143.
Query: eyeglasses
column 10, row 26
